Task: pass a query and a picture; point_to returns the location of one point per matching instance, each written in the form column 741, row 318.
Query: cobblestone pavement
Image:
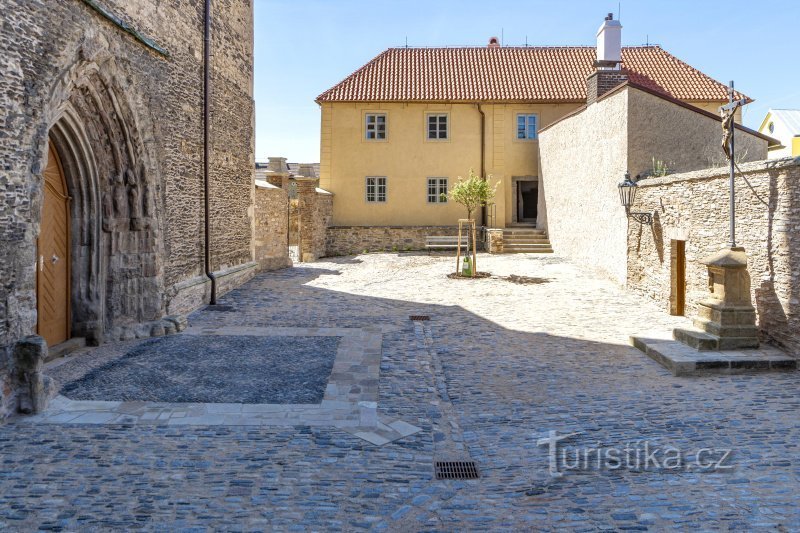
column 501, row 363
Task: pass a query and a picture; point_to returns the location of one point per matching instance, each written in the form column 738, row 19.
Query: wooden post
column 474, row 247
column 458, row 250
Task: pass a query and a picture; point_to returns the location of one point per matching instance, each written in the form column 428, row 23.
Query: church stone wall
column 61, row 58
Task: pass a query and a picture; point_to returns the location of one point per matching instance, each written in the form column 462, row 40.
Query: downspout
column 206, row 148
column 483, row 158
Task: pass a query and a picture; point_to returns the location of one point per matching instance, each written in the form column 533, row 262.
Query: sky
column 304, row 47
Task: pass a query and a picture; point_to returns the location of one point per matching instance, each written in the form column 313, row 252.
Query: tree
column 473, row 192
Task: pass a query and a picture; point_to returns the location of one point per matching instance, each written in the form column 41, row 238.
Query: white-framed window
column 527, row 126
column 376, row 189
column 437, row 190
column 438, row 126
column 375, row 129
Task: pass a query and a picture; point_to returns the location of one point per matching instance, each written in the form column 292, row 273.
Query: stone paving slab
column 683, row 360
column 349, row 401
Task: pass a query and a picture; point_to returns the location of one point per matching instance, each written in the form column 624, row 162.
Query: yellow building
column 784, row 125
column 400, row 130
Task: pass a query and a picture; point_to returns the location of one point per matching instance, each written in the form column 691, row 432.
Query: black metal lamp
column 627, row 194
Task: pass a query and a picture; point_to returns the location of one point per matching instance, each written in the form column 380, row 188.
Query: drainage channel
column 451, row 458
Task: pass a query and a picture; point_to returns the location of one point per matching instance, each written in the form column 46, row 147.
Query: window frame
column 438, row 116
column 375, row 130
column 437, row 182
column 526, row 117
column 376, row 193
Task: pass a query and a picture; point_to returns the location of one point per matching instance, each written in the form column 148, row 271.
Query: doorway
column 677, row 298
column 527, row 201
column 53, row 258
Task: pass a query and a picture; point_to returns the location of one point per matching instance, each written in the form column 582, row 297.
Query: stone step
column 514, row 232
column 529, row 248
column 683, row 360
column 65, row 348
column 526, row 240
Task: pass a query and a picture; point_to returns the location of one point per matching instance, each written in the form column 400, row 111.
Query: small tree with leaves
column 473, row 192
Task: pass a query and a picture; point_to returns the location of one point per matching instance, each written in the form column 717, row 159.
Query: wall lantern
column 627, row 194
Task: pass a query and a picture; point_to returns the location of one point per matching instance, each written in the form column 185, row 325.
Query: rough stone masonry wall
column 694, row 207
column 352, row 240
column 270, row 237
column 49, row 49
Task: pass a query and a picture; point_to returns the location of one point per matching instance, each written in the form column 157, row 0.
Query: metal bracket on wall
column 642, row 218
column 127, row 28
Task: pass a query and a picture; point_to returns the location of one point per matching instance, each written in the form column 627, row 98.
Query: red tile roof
column 543, row 74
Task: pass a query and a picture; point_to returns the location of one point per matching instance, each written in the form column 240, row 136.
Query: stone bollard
column 36, row 389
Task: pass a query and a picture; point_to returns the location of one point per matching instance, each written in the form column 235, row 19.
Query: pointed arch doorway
column 53, row 258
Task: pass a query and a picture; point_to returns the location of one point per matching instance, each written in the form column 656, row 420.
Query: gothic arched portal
column 115, row 281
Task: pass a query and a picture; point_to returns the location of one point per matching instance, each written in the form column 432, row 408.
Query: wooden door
column 52, row 272
column 678, row 278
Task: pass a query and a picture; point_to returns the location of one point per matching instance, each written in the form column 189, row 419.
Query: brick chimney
column 608, row 72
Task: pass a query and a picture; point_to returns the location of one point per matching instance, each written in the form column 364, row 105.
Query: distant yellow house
column 784, row 125
column 398, row 132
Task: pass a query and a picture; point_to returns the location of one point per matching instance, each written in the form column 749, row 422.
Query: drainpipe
column 483, row 157
column 206, row 150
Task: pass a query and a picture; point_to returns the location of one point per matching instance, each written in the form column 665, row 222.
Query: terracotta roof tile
column 512, row 73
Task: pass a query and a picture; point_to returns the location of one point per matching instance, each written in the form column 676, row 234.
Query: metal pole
column 733, row 171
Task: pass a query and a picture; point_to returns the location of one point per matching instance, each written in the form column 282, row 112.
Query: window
column 437, row 190
column 376, row 126
column 526, row 126
column 437, row 127
column 376, row 189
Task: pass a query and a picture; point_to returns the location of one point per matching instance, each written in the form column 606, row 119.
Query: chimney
column 494, row 42
column 608, row 73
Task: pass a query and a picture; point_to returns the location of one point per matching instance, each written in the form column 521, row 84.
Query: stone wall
column 683, row 138
column 583, row 158
column 352, row 240
column 693, row 207
column 271, row 218
column 127, row 121
column 585, row 155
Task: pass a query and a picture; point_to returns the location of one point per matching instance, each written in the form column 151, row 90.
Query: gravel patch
column 214, row 369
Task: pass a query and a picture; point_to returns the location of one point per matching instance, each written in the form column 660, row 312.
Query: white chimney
column 609, row 43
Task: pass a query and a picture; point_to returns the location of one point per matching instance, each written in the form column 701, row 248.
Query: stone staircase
column 525, row 239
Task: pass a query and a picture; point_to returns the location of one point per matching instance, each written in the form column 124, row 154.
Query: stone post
column 727, row 317
column 36, row 389
column 278, row 172
column 307, row 205
column 494, row 240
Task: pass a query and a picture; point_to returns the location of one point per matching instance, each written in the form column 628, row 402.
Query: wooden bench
column 445, row 242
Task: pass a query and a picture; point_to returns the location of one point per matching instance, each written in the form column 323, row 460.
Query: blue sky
column 303, row 47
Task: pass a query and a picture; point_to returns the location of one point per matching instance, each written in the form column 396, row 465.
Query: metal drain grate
column 218, row 307
column 419, row 317
column 456, row 470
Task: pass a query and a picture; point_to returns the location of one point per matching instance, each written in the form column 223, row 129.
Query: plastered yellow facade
column 407, row 158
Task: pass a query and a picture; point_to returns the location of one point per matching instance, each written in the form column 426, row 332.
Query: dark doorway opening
column 527, row 201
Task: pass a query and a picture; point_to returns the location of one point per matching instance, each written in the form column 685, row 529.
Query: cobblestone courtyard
column 539, row 347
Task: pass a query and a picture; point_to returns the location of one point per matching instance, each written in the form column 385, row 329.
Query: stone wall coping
column 261, row 184
column 719, row 172
column 454, row 226
column 323, row 191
